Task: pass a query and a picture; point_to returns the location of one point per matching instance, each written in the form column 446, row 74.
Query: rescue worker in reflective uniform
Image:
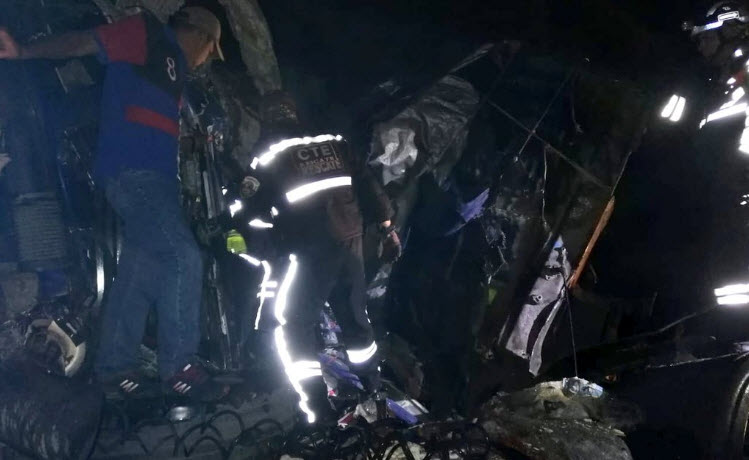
column 722, row 38
column 721, row 34
column 312, row 192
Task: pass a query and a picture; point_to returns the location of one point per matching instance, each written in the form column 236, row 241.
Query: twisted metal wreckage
column 503, row 167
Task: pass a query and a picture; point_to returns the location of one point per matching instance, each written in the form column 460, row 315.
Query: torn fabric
column 541, row 308
column 429, row 135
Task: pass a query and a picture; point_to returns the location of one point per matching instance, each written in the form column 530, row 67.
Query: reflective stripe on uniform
column 259, row 223
column 278, row 147
column 306, row 190
column 295, row 371
column 362, row 355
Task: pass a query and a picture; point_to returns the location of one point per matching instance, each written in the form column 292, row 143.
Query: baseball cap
column 206, row 21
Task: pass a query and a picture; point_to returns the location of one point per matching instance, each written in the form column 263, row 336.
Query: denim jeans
column 161, row 267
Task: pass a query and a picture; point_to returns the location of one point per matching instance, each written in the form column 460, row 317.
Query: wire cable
column 380, row 440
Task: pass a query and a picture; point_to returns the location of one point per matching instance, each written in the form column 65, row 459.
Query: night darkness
column 672, row 236
column 662, row 230
column 500, row 179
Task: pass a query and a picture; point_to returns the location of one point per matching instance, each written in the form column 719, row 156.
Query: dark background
column 675, row 233
column 657, row 233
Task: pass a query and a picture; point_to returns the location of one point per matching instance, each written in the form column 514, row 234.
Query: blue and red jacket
column 145, row 75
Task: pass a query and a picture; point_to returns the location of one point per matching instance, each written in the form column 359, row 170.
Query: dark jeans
column 160, row 266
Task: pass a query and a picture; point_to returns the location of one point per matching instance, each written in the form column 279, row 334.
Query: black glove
column 389, row 249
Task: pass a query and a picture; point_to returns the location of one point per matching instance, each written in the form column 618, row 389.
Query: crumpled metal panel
column 247, row 132
column 434, row 129
column 540, row 310
column 251, row 31
column 235, row 92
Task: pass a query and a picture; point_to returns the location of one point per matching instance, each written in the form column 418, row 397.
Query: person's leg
column 304, row 281
column 178, row 281
column 128, row 302
column 349, row 303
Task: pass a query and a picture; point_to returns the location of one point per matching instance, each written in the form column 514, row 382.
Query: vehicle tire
column 737, row 445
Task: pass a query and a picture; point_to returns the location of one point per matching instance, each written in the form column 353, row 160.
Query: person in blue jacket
column 136, row 164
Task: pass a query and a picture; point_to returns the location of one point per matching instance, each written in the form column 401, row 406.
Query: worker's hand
column 389, row 249
column 9, row 49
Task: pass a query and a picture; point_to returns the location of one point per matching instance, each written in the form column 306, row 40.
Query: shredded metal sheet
column 540, row 310
column 433, row 130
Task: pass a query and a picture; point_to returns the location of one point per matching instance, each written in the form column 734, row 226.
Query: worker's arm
column 374, row 201
column 121, row 41
column 376, row 206
column 67, row 45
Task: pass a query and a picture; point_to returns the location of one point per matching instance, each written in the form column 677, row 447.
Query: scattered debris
column 550, row 422
column 416, row 453
column 581, row 387
column 12, row 339
column 20, row 292
column 402, row 361
column 223, row 432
